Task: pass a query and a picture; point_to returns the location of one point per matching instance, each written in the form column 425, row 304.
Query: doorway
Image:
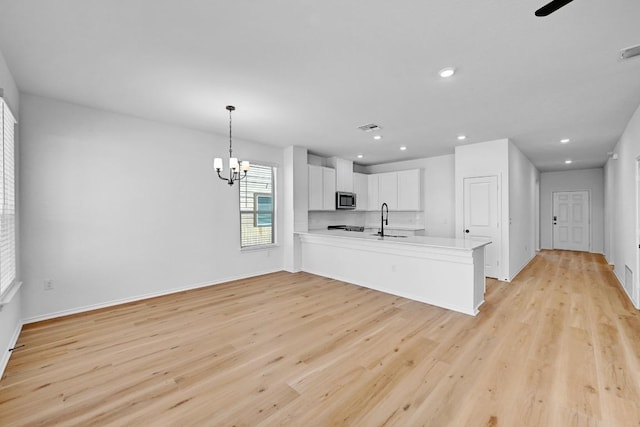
column 571, row 223
column 482, row 220
column 635, row 293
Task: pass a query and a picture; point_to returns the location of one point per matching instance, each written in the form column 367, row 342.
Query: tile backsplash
column 320, row 220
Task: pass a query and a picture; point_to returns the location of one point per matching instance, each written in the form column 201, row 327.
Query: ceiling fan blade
column 552, row 7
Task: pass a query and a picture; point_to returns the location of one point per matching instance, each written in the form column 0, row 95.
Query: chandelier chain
column 230, row 139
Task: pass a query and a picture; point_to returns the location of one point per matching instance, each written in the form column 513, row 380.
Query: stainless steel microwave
column 345, row 200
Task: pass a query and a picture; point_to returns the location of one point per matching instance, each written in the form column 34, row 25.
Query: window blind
column 7, row 200
column 257, row 207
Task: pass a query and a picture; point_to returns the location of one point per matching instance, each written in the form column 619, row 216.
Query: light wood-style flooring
column 559, row 346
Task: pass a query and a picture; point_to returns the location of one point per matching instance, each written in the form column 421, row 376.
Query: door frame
column 537, row 216
column 635, row 297
column 553, row 230
column 501, row 264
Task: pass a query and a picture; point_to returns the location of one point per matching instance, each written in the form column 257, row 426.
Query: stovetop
column 346, row 227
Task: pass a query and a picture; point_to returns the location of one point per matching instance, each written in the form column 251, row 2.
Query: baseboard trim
column 522, row 268
column 607, row 259
column 112, row 303
column 621, row 284
column 12, row 343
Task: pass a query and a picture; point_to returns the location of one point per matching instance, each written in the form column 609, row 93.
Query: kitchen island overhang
column 447, row 273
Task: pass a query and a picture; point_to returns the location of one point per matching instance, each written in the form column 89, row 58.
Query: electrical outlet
column 48, row 285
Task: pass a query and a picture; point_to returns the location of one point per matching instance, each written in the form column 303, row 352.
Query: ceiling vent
column 630, row 52
column 370, row 127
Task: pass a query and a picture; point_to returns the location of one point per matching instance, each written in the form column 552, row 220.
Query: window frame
column 255, row 211
column 8, row 209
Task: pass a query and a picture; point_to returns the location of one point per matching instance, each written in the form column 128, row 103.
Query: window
column 7, row 200
column 264, row 213
column 257, row 207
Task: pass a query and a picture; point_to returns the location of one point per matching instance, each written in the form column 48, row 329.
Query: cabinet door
column 372, row 193
column 344, row 175
column 329, row 189
column 316, row 199
column 409, row 190
column 388, row 189
column 361, row 188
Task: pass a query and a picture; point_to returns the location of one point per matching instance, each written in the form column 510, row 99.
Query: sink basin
column 388, row 235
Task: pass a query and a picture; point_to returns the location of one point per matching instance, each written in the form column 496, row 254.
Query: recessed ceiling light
column 568, row 161
column 377, row 137
column 447, row 72
column 403, row 148
column 462, row 137
column 564, row 141
column 360, row 156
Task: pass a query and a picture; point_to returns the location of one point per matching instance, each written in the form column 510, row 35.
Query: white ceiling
column 308, row 73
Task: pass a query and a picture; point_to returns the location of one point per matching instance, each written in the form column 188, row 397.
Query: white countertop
column 435, row 242
column 410, row 227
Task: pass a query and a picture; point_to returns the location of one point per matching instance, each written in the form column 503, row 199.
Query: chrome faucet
column 383, row 221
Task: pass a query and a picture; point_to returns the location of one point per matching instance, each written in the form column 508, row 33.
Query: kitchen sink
column 388, row 235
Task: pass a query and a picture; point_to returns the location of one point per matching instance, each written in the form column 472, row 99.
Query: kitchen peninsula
column 444, row 272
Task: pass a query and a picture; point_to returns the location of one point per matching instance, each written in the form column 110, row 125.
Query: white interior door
column 571, row 229
column 481, row 219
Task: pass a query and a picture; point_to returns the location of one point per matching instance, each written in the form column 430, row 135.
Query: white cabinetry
column 401, row 191
column 322, row 188
column 409, row 190
column 361, row 188
column 328, row 189
column 372, row 193
column 344, row 173
column 388, row 189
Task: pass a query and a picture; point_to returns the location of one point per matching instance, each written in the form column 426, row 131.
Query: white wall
column 437, row 192
column 609, row 193
column 485, row 159
column 296, row 204
column 115, row 208
column 591, row 180
column 518, row 198
column 621, row 192
column 523, row 217
column 11, row 313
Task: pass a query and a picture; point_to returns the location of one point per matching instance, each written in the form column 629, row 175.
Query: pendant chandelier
column 237, row 169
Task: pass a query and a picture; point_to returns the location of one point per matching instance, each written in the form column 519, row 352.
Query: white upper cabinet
column 329, row 189
column 322, row 188
column 316, row 200
column 401, row 191
column 344, row 173
column 372, row 193
column 361, row 189
column 409, row 190
column 388, row 189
